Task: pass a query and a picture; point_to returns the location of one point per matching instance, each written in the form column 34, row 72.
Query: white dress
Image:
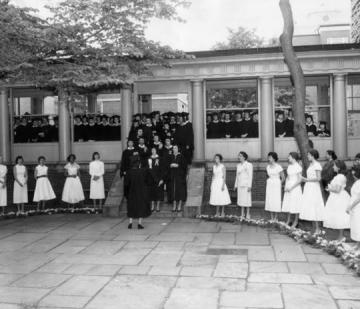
column 43, row 188
column 292, row 199
column 219, row 197
column 97, row 189
column 273, row 188
column 20, row 194
column 73, row 191
column 3, row 191
column 312, row 204
column 243, row 181
column 355, row 212
column 336, row 205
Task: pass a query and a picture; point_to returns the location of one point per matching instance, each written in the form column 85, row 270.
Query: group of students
column 36, row 130
column 97, row 128
column 333, row 206
column 72, row 192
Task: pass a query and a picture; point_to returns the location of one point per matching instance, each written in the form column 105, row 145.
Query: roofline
column 273, row 49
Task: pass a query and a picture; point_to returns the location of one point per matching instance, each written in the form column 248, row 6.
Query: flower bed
column 343, row 251
column 50, row 211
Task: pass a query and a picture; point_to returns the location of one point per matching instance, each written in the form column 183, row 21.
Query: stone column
column 339, row 134
column 92, row 100
column 267, row 116
column 4, row 126
column 126, row 114
column 64, row 127
column 198, row 116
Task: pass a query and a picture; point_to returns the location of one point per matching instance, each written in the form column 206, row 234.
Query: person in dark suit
column 215, row 129
column 310, row 126
column 280, row 126
column 126, row 162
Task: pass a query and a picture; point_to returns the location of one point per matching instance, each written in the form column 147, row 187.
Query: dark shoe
column 157, row 210
column 140, row 227
column 179, row 210
column 130, row 226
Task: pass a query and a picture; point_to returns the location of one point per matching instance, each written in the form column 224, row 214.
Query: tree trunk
column 298, row 80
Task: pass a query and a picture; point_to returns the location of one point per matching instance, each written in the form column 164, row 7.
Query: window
column 317, row 106
column 232, row 109
column 353, row 106
column 35, row 119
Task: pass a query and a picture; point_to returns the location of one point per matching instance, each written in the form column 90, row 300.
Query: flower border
column 339, row 249
column 51, row 211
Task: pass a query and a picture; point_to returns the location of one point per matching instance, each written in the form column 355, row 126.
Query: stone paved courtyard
column 87, row 261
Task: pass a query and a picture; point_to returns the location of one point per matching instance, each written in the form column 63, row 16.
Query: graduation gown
column 280, row 128
column 184, row 137
column 289, row 125
column 79, row 132
column 156, row 174
column 215, row 130
column 227, row 129
column 138, row 203
column 311, row 128
column 236, row 129
column 177, row 179
column 247, row 127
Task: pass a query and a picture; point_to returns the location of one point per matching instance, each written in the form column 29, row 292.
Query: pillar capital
column 339, row 76
column 197, row 81
column 266, row 78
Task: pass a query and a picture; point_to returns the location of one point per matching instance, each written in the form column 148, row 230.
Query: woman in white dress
column 273, row 186
column 354, row 207
column 219, row 194
column 73, row 192
column 243, row 183
column 97, row 171
column 43, row 189
column 338, row 201
column 20, row 194
column 293, row 192
column 3, row 191
column 312, row 203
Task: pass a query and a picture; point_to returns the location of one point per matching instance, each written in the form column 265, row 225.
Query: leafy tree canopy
column 244, row 38
column 83, row 44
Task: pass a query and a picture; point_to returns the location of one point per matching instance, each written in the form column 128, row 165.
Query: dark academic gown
column 144, row 154
column 115, row 132
column 79, row 132
column 125, row 166
column 215, row 130
column 236, row 129
column 289, row 125
column 280, row 128
column 323, row 133
column 177, row 179
column 311, row 128
column 184, row 138
column 138, row 203
column 254, row 129
column 247, row 127
column 92, row 132
column 156, row 173
column 166, row 159
column 227, row 128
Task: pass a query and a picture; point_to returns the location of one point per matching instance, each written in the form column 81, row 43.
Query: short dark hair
column 295, row 155
column 314, row 153
column 342, row 166
column 357, row 156
column 244, row 154
column 219, row 156
column 18, row 158
column 41, row 157
column 94, row 154
column 356, row 171
column 274, row 155
column 71, row 156
column 332, row 154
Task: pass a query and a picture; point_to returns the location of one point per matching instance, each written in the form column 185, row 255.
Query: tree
column 297, row 78
column 85, row 44
column 240, row 38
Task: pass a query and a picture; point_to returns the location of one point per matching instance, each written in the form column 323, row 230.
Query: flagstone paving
column 91, row 262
